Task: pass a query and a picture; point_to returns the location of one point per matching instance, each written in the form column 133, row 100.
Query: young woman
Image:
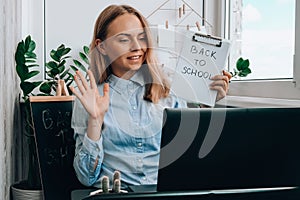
column 117, row 116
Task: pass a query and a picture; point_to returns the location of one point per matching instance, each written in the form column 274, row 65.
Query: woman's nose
column 135, row 45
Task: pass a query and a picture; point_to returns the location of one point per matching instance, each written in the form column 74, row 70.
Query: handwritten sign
column 55, row 145
column 201, row 58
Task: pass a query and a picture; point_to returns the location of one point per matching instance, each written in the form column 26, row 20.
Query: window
column 264, row 32
column 226, row 17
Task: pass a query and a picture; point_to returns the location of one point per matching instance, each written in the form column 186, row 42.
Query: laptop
column 225, row 151
column 229, row 148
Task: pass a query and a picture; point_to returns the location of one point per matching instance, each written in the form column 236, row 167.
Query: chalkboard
column 55, row 144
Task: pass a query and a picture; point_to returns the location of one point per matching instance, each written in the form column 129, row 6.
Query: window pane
column 264, row 32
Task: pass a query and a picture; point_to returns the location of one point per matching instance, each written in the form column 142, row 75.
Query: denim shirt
column 130, row 137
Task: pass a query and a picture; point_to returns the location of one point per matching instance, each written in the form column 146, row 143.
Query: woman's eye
column 143, row 38
column 123, row 40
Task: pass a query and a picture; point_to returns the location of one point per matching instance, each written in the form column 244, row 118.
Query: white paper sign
column 201, row 58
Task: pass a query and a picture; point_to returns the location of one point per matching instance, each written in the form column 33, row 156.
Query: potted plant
column 27, row 69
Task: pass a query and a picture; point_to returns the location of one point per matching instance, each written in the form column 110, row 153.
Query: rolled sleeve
column 88, row 159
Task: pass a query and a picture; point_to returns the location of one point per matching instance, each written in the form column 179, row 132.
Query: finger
column 220, row 90
column 79, row 84
column 106, row 90
column 228, row 74
column 83, row 80
column 92, row 79
column 219, row 82
column 75, row 92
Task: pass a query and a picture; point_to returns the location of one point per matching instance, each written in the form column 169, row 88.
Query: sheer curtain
column 10, row 127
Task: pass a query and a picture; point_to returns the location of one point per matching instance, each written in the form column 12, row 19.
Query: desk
column 268, row 194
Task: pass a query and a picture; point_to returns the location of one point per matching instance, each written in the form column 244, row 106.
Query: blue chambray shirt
column 130, row 138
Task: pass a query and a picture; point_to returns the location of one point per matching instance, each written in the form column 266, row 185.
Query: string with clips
column 182, row 13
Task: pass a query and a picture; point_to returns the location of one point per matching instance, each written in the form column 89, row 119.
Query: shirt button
column 139, row 160
column 144, row 178
column 134, row 107
column 139, row 144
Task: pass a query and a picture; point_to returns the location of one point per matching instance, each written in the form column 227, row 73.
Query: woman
column 117, row 120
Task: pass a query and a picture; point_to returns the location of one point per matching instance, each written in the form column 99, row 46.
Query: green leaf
column 32, row 46
column 51, row 65
column 74, row 68
column 66, row 57
column 245, row 72
column 54, row 56
column 86, row 50
column 27, row 42
column 242, row 64
column 62, row 76
column 30, row 55
column 54, row 72
column 84, row 57
column 32, row 74
column 50, row 74
column 33, row 65
column 66, row 51
column 19, row 57
column 62, row 63
column 79, row 65
column 30, row 61
column 239, row 64
column 22, row 70
column 61, row 69
column 28, row 87
column 60, row 50
column 46, row 88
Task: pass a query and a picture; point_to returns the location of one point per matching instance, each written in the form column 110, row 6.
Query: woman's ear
column 100, row 47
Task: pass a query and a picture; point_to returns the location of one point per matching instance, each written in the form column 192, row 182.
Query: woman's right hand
column 88, row 94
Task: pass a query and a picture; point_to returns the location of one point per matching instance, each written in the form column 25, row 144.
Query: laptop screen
column 229, row 148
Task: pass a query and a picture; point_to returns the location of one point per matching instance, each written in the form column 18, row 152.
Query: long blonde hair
column 100, row 64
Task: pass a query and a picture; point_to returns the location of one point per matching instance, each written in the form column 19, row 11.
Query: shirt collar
column 141, row 77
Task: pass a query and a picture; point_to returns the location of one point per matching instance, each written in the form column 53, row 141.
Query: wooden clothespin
column 61, row 88
column 183, row 9
column 167, row 24
column 187, row 27
column 180, row 11
column 198, row 25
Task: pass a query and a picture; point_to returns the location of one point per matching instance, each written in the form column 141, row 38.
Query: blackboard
column 55, row 144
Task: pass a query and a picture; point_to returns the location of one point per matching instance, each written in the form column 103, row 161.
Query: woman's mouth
column 134, row 57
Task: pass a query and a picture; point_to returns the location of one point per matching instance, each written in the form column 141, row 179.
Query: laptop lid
column 229, row 148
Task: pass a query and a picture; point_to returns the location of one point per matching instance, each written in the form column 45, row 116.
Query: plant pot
column 19, row 191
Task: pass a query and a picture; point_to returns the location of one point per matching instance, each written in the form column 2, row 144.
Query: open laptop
column 229, row 148
column 226, row 151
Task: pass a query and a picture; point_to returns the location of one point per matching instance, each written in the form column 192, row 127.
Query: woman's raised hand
column 88, row 94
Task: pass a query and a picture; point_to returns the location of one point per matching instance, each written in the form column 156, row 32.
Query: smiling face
column 125, row 45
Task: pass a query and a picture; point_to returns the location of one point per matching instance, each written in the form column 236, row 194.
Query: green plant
column 27, row 70
column 242, row 68
column 56, row 69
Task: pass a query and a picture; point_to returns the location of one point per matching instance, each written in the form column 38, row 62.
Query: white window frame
column 265, row 92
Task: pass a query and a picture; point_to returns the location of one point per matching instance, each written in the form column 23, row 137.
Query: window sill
column 256, row 102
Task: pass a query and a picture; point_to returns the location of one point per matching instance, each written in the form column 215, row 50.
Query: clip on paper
column 207, row 39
